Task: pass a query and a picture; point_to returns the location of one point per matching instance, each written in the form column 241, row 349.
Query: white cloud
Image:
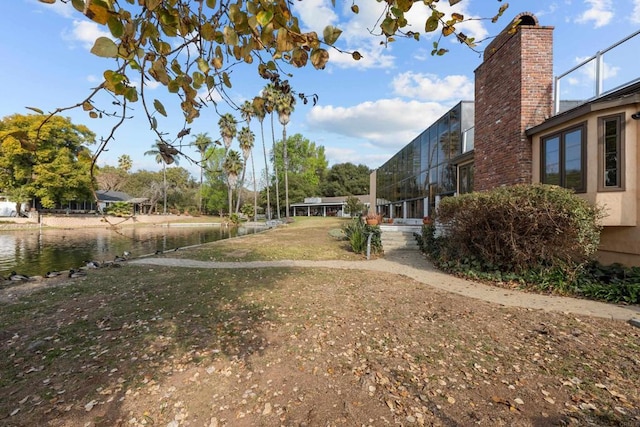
column 210, row 95
column 635, row 15
column 600, row 12
column 358, row 155
column 315, row 14
column 85, row 32
column 587, row 72
column 361, row 31
column 386, row 123
column 430, row 87
column 62, row 9
column 550, row 10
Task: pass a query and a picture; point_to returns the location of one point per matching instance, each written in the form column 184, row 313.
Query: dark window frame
column 620, row 143
column 561, row 134
column 465, row 170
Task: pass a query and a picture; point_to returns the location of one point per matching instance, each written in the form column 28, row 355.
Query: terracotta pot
column 373, row 221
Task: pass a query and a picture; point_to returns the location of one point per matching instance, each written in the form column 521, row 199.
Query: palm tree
column 228, row 129
column 125, row 163
column 202, row 142
column 260, row 112
column 246, row 139
column 158, row 150
column 247, row 112
column 270, row 97
column 284, row 107
column 232, row 166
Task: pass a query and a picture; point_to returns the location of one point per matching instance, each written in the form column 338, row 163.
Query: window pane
column 573, row 159
column 551, row 174
column 611, row 153
column 466, row 179
column 444, row 139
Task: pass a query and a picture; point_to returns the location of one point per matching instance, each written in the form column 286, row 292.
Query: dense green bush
column 615, row 283
column 357, row 232
column 120, row 209
column 519, row 228
column 537, row 237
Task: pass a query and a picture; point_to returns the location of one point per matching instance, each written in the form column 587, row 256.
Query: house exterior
column 593, row 149
column 521, row 134
column 108, row 197
column 325, row 206
column 411, row 183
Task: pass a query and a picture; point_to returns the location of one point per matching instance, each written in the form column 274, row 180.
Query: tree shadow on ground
column 72, row 352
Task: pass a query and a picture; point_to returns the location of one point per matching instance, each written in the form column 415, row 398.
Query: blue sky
column 367, row 110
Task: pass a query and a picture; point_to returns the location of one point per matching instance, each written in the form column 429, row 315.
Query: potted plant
column 427, row 220
column 371, row 218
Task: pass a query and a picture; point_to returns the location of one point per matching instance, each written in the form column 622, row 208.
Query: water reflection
column 34, row 252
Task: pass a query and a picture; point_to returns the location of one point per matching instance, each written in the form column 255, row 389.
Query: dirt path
column 413, row 265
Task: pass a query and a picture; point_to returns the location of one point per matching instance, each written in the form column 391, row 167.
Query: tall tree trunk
column 286, row 170
column 266, row 171
column 255, row 189
column 230, row 199
column 239, row 186
column 200, row 189
column 164, row 186
column 275, row 168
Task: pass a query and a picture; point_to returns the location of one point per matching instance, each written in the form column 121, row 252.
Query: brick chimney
column 513, row 91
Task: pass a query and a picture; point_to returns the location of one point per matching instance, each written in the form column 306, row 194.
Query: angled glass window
column 563, row 158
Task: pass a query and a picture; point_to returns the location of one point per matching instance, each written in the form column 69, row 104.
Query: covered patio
column 325, row 206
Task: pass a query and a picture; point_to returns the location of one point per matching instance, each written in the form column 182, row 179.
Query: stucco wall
column 620, row 239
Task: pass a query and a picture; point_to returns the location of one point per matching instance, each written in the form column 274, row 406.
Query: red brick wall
column 513, row 91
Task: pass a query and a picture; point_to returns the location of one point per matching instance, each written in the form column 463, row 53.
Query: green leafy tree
column 181, row 188
column 346, row 179
column 47, row 161
column 307, row 166
column 354, row 206
column 215, row 190
column 202, row 142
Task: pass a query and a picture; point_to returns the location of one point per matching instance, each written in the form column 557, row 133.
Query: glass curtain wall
column 409, row 184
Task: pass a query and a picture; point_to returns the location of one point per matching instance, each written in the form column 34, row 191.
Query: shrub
column 248, row 210
column 357, row 232
column 119, row 209
column 520, row 228
column 613, row 283
column 428, row 242
column 234, row 218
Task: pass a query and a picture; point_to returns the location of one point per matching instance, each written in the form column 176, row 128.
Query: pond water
column 34, row 252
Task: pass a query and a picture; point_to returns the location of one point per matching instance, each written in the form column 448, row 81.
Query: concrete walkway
column 414, row 265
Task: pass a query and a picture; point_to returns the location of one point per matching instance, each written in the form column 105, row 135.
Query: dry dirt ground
column 313, row 346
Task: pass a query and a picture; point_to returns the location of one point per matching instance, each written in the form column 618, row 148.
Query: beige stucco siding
column 620, row 240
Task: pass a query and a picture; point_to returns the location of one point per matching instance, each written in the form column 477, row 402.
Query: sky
column 367, row 110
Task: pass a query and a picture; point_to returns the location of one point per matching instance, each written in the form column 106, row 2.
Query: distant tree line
column 58, row 170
